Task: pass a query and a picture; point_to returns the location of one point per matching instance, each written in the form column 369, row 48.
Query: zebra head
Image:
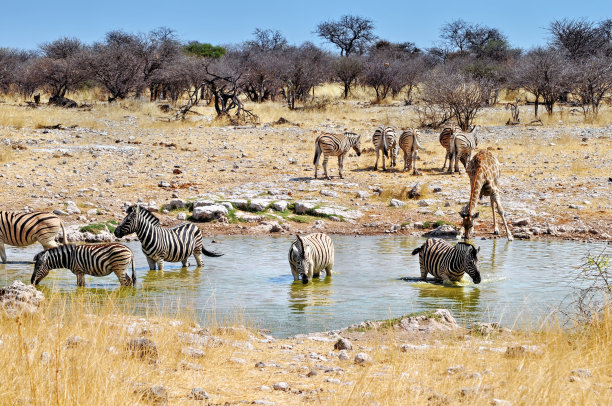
column 357, row 145
column 41, row 267
column 302, row 258
column 468, row 222
column 471, row 263
column 135, row 214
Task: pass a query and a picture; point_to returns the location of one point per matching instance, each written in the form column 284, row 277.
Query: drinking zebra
column 386, row 143
column 94, row 260
column 461, row 148
column 446, row 262
column 335, row 145
column 409, row 143
column 445, row 140
column 175, row 244
column 309, row 255
column 21, row 229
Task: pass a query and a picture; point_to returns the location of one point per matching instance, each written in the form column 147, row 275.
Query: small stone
column 260, row 364
column 163, row 184
column 521, row 222
column 283, row 386
column 343, row 355
column 396, row 203
column 198, row 394
column 312, row 373
column 329, row 193
column 332, row 380
column 181, row 216
column 362, row 194
column 362, row 358
column 280, row 205
column 142, row 348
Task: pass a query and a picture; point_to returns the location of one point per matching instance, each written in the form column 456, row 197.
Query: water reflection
column 180, row 278
column 315, row 294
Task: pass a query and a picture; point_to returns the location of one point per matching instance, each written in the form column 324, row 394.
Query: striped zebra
column 409, row 143
column 446, row 262
column 309, row 255
column 21, row 229
column 445, row 140
column 461, row 148
column 387, row 144
column 94, row 260
column 335, row 145
column 175, row 244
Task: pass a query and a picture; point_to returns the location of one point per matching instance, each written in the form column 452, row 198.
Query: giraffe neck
column 477, row 182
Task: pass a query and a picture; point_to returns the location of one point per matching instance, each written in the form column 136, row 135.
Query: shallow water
column 375, row 277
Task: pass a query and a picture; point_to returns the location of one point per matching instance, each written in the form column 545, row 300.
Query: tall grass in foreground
column 74, row 352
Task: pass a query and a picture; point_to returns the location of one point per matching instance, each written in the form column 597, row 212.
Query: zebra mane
column 468, row 247
column 146, row 214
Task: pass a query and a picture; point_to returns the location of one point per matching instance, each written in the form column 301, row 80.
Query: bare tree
column 13, row 65
column 160, row 51
column 351, row 34
column 261, row 61
column 580, row 37
column 459, row 95
column 267, row 40
column 591, row 80
column 455, row 34
column 347, row 70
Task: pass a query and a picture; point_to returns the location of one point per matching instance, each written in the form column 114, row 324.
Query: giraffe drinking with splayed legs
column 483, row 170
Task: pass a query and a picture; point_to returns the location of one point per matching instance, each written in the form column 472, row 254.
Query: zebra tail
column 384, row 143
column 317, row 154
column 417, row 250
column 63, row 233
column 133, row 272
column 210, row 253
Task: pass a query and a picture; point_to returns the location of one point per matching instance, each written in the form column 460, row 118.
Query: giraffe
column 483, row 170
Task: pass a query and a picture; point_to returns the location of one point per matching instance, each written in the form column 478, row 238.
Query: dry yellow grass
column 45, row 364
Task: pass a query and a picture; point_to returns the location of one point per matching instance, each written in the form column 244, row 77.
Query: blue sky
column 29, row 23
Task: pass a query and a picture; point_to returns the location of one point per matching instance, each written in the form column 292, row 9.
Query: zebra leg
column 152, row 263
column 325, row 167
column 495, row 228
column 445, row 159
column 160, row 264
column 198, row 257
column 124, row 278
column 423, row 270
column 80, row 280
column 376, row 163
column 328, row 270
column 185, row 262
column 2, row 252
column 340, row 165
column 500, row 210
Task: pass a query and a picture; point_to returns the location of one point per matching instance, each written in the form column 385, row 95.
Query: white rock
column 19, row 298
column 396, row 203
column 281, row 205
column 212, row 212
column 362, row 358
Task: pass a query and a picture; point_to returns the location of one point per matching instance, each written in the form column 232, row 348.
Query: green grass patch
column 97, row 228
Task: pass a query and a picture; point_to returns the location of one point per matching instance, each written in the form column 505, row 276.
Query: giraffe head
column 468, row 222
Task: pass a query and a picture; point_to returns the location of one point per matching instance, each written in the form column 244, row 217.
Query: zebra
column 386, row 144
column 409, row 143
column 175, row 244
column 446, row 262
column 309, row 255
column 462, row 146
column 445, row 140
column 21, row 229
column 335, row 145
column 94, row 260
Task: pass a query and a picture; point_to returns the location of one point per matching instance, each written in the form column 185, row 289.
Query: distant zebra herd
column 309, row 255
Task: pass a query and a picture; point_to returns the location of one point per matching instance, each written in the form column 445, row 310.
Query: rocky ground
column 556, row 181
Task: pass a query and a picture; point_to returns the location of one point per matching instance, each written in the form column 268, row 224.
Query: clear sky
column 29, row 23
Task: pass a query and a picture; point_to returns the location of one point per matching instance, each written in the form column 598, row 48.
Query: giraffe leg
column 325, row 167
column 500, row 210
column 495, row 228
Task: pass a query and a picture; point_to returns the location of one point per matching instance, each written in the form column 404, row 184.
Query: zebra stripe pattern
column 385, row 140
column 21, row 229
column 309, row 255
column 445, row 140
column 175, row 244
column 94, row 260
column 335, row 145
column 446, row 262
column 409, row 143
column 462, row 146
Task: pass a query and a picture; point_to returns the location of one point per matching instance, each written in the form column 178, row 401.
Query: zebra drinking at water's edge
column 309, row 255
column 446, row 262
column 94, row 260
column 335, row 145
column 22, row 229
column 175, row 244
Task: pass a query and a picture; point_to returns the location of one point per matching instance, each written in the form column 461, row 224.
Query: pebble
column 396, row 203
column 343, row 344
column 282, row 386
column 362, row 358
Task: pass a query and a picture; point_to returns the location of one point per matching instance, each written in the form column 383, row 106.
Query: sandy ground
column 556, row 180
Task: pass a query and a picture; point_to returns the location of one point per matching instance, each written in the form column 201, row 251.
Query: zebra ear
column 478, row 250
column 300, row 240
column 463, row 214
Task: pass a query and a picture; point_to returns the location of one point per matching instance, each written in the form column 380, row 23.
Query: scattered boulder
column 19, row 298
column 443, row 231
column 415, row 192
column 282, row 386
column 258, row 204
column 208, row 213
column 362, row 358
column 521, row 222
column 396, row 203
column 304, row 207
column 328, row 193
column 193, row 352
column 441, row 320
column 142, row 348
column 280, row 205
column 343, row 344
column 362, row 194
column 175, row 204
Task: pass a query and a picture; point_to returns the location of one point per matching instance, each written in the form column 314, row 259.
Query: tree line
column 465, row 71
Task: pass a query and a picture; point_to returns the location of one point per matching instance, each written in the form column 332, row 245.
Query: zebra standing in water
column 409, row 143
column 385, row 139
column 309, row 255
column 175, row 244
column 461, row 148
column 94, row 260
column 445, row 140
column 21, row 229
column 335, row 145
column 448, row 263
